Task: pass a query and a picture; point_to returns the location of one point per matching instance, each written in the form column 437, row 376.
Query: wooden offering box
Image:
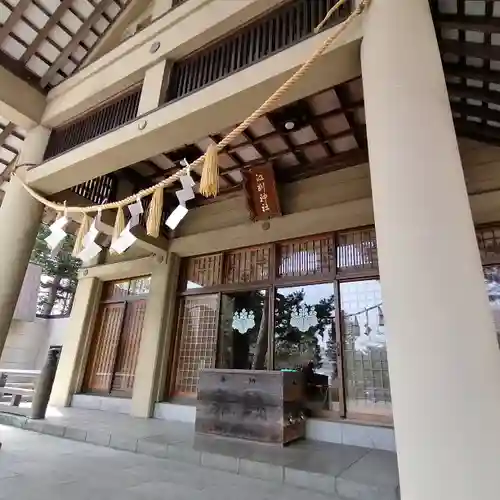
column 247, row 404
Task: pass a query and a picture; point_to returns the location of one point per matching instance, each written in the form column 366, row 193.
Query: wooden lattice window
column 313, row 256
column 357, row 252
column 488, row 240
column 202, row 272
column 198, row 341
column 248, row 265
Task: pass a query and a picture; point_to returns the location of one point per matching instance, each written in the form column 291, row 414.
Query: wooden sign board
column 262, row 195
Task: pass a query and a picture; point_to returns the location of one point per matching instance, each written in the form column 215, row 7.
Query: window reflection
column 367, row 384
column 244, row 336
column 492, row 280
column 305, row 338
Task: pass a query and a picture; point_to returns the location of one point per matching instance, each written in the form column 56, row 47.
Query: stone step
column 347, row 472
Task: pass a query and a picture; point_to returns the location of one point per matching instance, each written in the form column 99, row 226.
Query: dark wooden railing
column 98, row 191
column 95, row 123
column 262, row 38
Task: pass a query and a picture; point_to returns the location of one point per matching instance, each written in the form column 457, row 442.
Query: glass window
column 366, row 376
column 140, row 286
column 244, row 332
column 492, row 279
column 305, row 338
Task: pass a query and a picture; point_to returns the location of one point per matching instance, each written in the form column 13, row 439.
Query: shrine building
column 355, row 234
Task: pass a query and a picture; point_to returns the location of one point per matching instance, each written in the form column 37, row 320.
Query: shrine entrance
column 117, row 336
column 312, row 304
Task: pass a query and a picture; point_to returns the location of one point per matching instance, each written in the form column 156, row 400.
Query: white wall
column 28, row 342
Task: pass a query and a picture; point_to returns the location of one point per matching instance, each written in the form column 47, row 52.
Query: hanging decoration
column 126, row 239
column 80, row 235
column 119, row 225
column 155, row 212
column 183, row 195
column 370, row 339
column 90, row 248
column 243, row 321
column 57, row 234
column 209, row 185
column 303, row 318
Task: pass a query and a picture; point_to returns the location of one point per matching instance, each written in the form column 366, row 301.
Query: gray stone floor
column 39, row 467
column 340, row 471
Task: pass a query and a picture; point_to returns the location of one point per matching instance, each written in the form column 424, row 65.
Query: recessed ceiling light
column 289, row 125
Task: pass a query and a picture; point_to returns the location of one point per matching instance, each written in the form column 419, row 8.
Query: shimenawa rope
column 264, row 108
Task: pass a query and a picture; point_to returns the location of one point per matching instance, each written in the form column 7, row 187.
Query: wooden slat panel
column 312, row 256
column 107, row 117
column 104, row 347
column 488, row 240
column 265, row 36
column 203, row 271
column 128, row 350
column 357, row 251
column 247, row 265
column 98, row 190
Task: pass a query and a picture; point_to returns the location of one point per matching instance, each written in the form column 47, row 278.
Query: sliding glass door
column 366, row 370
column 306, row 339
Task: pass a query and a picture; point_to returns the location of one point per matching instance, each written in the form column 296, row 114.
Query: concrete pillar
column 154, row 348
column 444, row 361
column 154, row 87
column 20, row 216
column 73, row 359
column 34, row 146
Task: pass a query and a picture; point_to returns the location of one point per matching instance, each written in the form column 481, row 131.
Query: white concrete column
column 158, row 323
column 154, row 86
column 76, row 341
column 443, row 357
column 20, row 216
column 34, row 146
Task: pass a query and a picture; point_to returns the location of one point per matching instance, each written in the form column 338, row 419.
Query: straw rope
column 266, row 106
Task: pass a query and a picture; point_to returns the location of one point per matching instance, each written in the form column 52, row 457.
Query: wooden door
column 104, row 348
column 128, row 350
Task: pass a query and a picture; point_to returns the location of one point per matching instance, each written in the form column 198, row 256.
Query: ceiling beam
column 77, row 38
column 470, row 49
column 9, row 128
column 472, row 73
column 484, row 24
column 482, row 112
column 14, row 17
column 477, row 131
column 42, row 34
column 465, row 92
column 20, row 102
column 338, row 162
column 19, row 70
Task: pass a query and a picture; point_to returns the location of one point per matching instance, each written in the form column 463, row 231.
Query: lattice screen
column 488, row 240
column 357, row 251
column 247, row 265
column 203, row 271
column 306, row 257
column 198, row 347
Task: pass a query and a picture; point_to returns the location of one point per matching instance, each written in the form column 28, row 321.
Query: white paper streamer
column 183, row 195
column 176, row 216
column 57, row 234
column 186, row 193
column 126, row 238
